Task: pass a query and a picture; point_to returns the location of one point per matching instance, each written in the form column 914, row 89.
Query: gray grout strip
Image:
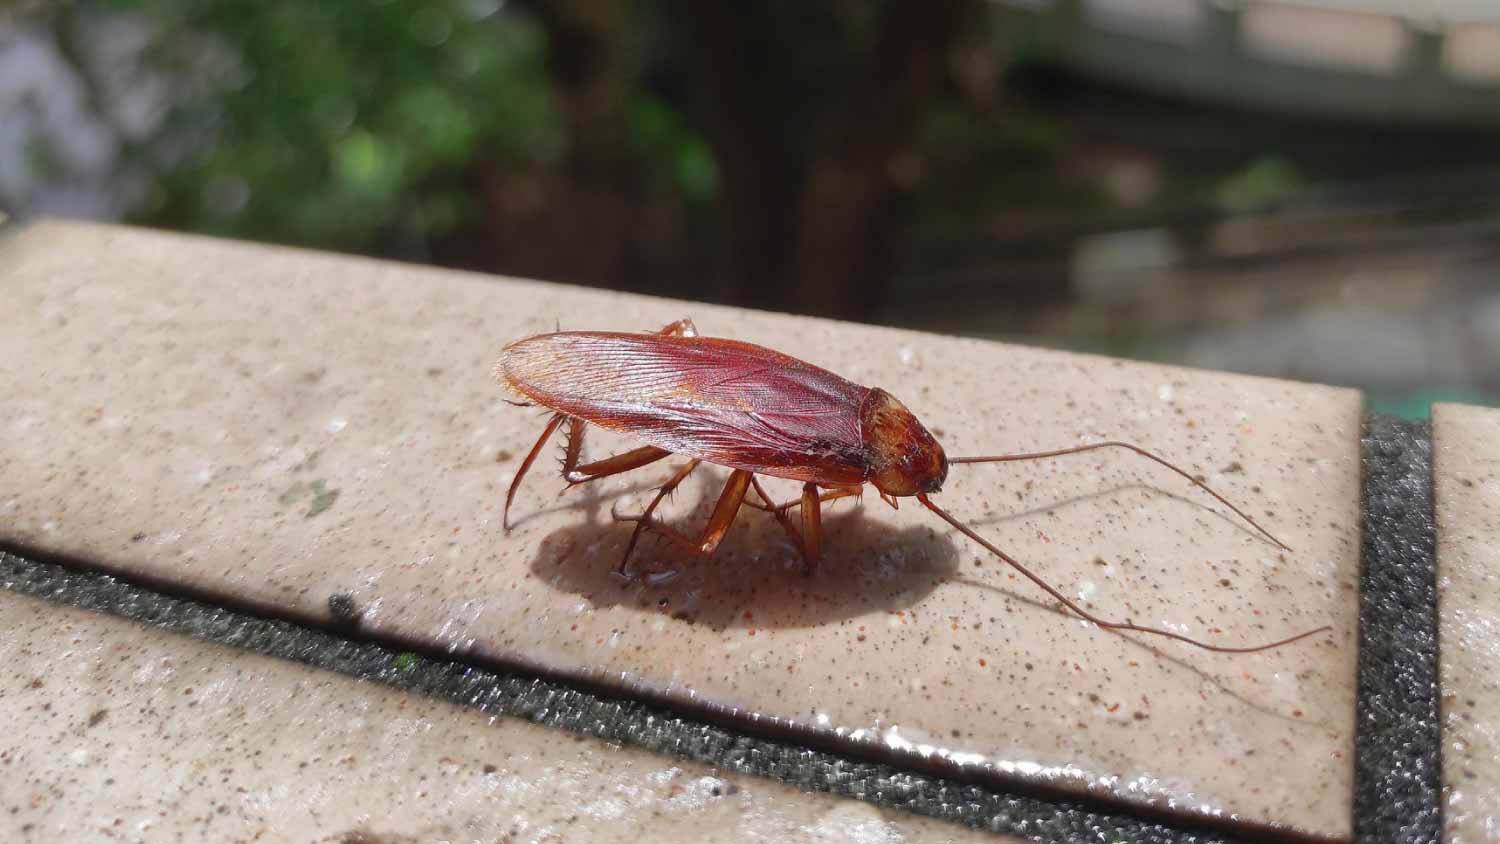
column 1398, row 772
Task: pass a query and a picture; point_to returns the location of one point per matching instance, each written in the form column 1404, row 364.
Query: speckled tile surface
column 282, row 428
column 119, row 732
column 1466, row 487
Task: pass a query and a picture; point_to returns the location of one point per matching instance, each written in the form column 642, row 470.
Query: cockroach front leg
column 706, row 543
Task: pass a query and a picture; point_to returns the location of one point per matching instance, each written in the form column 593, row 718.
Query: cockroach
column 757, row 412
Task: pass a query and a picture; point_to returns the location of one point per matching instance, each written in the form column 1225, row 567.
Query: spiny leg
column 645, row 518
column 774, row 509
column 809, row 540
column 510, row 495
column 613, row 465
column 781, row 517
column 713, row 533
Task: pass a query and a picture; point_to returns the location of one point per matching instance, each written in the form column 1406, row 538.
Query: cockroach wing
column 723, row 401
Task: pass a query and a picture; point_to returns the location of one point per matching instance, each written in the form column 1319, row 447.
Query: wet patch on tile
column 1466, row 483
column 232, row 374
column 119, row 731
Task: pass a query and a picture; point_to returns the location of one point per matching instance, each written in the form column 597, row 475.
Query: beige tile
column 119, row 732
column 1466, row 487
column 280, row 427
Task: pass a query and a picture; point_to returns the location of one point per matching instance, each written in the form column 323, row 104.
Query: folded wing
column 723, row 401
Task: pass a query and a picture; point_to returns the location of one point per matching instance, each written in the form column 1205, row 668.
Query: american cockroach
column 757, row 412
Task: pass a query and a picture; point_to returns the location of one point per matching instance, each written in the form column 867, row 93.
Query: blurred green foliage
column 342, row 122
column 677, row 157
column 1260, row 185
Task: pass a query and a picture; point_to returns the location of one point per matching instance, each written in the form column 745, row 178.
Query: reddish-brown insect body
column 757, row 412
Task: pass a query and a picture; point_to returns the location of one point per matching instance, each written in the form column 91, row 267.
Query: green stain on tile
column 293, row 492
column 322, row 496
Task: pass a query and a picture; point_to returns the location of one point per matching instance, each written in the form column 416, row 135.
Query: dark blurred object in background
column 1305, row 188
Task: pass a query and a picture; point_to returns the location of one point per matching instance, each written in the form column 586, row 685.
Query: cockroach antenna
column 1088, row 616
column 1079, row 449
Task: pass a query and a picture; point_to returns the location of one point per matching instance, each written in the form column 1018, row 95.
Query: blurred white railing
column 1381, row 59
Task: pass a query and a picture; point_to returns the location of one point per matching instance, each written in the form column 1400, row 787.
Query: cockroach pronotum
column 757, row 412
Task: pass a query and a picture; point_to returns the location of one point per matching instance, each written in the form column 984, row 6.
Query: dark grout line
column 1398, row 771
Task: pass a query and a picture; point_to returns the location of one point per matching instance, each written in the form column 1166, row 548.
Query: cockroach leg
column 780, row 512
column 574, row 446
column 713, row 533
column 617, row 464
column 645, row 518
column 812, row 526
column 613, row 465
column 834, row 495
column 510, row 495
column 809, row 540
column 1038, row 455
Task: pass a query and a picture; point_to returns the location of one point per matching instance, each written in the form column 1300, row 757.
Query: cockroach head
column 905, row 459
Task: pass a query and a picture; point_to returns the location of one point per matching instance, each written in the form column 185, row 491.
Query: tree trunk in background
column 817, row 229
column 737, row 105
column 867, row 157
column 812, row 171
column 577, row 222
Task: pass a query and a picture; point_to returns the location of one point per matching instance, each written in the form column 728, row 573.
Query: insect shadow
column 756, row 578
